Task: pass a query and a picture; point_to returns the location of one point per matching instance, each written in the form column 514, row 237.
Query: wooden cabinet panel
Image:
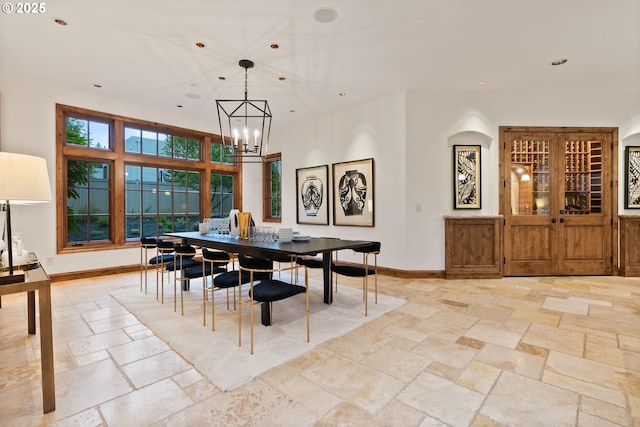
column 473, row 247
column 630, row 245
column 531, row 242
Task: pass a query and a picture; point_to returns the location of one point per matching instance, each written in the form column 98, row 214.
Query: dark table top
column 314, row 245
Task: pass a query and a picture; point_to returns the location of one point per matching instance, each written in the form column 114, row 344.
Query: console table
column 38, row 280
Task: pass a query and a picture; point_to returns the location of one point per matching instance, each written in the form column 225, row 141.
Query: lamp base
column 16, row 277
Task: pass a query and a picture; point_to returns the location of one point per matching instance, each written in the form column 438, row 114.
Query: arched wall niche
column 472, row 128
column 632, row 140
column 630, row 129
column 470, row 137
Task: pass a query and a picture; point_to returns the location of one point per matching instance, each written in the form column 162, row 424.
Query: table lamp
column 23, row 180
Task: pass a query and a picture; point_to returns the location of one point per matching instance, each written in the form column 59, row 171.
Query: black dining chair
column 363, row 271
column 308, row 262
column 146, row 244
column 183, row 259
column 164, row 255
column 291, row 261
column 213, row 263
column 267, row 291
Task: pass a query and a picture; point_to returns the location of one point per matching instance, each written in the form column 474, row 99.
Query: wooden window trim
column 266, row 188
column 117, row 157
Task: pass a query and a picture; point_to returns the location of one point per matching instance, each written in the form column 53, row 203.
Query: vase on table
column 20, row 254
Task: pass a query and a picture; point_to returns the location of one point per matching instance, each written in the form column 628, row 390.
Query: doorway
column 559, row 200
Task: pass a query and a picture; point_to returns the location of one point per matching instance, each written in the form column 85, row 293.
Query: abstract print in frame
column 466, row 168
column 353, row 193
column 632, row 178
column 312, row 195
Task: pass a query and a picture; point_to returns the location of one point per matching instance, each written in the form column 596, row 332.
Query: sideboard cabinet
column 473, row 247
column 630, row 245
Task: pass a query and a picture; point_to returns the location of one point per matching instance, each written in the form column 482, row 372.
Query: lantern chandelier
column 245, row 125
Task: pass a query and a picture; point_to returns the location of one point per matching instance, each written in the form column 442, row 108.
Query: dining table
column 325, row 246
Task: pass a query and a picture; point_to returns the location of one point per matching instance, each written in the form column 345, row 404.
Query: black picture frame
column 312, row 195
column 632, row 177
column 466, row 177
column 353, row 193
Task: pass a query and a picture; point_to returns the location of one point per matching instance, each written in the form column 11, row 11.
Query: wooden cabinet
column 630, row 245
column 473, row 247
column 558, row 199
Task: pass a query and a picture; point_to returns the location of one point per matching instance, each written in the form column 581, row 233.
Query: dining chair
column 213, row 263
column 164, row 255
column 267, row 291
column 146, row 244
column 291, row 261
column 308, row 262
column 183, row 259
column 363, row 271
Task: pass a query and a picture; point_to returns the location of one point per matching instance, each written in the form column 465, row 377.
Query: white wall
column 409, row 135
column 373, row 130
column 434, row 121
column 27, row 125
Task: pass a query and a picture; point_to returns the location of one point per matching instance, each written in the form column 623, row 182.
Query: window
column 87, row 201
column 123, row 179
column 272, row 190
column 222, row 186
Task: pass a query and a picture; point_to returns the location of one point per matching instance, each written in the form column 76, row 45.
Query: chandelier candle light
column 245, row 125
column 24, row 180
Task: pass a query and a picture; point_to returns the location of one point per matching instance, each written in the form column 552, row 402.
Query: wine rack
column 583, row 177
column 534, row 156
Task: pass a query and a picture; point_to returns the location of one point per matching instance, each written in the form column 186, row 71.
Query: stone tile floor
column 548, row 351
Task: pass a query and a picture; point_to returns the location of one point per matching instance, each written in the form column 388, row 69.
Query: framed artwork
column 353, row 187
column 312, row 195
column 466, row 183
column 632, row 178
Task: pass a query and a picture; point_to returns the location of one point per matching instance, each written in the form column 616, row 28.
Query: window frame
column 117, row 157
column 267, row 195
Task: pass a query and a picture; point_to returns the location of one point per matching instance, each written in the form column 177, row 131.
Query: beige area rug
column 216, row 354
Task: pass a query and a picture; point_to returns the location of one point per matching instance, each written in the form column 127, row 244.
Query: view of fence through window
column 88, row 201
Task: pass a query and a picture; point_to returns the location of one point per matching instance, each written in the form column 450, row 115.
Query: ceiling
column 145, row 52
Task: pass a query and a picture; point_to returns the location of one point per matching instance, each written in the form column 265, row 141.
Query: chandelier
column 245, row 125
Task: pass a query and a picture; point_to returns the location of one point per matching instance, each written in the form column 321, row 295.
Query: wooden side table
column 38, row 280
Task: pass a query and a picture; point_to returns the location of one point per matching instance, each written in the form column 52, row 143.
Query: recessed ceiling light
column 342, row 94
column 282, row 79
column 325, row 15
column 292, row 111
column 274, row 46
column 200, row 45
column 222, row 78
column 559, row 61
column 60, row 21
column 482, row 83
column 97, row 85
column 179, row 106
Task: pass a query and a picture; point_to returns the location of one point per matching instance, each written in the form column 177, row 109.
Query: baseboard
column 86, row 274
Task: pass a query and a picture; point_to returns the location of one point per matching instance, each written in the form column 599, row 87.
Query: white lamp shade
column 23, row 179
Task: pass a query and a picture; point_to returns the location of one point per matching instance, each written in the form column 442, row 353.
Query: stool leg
column 141, row 261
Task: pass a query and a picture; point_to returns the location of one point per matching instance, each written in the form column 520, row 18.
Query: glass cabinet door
column 582, row 177
column 530, row 177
